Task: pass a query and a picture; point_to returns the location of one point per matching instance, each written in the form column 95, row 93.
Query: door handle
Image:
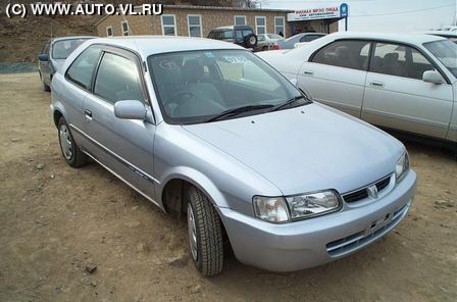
column 377, row 84
column 309, row 72
column 88, row 113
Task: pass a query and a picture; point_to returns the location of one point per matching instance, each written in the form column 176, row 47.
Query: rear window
column 62, row 49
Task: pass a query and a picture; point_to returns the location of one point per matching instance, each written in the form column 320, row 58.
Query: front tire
column 70, row 151
column 205, row 233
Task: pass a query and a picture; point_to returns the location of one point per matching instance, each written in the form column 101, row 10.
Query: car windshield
column 62, row 49
column 200, row 86
column 446, row 52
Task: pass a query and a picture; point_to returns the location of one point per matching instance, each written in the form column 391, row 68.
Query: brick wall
column 210, row 18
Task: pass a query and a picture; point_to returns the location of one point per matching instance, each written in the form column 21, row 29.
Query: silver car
column 206, row 128
column 405, row 82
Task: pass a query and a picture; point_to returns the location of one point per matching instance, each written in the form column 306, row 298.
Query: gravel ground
column 82, row 235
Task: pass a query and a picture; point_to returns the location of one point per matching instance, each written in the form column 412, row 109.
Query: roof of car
column 149, row 45
column 442, row 33
column 72, row 38
column 411, row 38
column 231, row 27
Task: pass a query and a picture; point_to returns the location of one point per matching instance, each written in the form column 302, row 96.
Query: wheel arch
column 173, row 184
column 56, row 115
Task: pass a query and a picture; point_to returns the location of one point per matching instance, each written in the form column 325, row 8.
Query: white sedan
column 402, row 82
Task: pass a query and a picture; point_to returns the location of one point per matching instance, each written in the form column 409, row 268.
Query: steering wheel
column 180, row 97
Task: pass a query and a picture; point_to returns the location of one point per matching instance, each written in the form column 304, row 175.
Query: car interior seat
column 391, row 65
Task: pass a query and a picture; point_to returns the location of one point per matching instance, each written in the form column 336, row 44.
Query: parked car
column 299, row 38
column 403, row 82
column 251, row 162
column 268, row 41
column 242, row 35
column 54, row 53
column 451, row 35
column 448, row 28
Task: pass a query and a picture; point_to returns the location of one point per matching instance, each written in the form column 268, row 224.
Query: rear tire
column 70, row 151
column 205, row 233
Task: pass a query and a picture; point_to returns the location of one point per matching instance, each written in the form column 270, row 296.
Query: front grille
column 383, row 184
column 357, row 240
column 363, row 193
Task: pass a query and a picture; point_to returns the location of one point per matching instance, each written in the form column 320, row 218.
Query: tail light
column 275, row 46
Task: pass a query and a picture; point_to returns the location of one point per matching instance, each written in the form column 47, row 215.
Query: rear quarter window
column 81, row 71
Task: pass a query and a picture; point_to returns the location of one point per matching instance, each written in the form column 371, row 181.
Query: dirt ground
column 81, row 235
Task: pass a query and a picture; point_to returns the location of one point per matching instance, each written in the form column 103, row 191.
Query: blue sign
column 344, row 10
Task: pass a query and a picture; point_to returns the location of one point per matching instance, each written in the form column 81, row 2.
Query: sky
column 384, row 15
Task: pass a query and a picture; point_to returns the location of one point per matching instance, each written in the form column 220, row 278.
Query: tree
column 248, row 3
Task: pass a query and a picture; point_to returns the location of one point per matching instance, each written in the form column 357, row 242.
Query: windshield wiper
column 236, row 111
column 291, row 101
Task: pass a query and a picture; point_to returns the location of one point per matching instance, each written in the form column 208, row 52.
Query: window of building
column 240, row 20
column 260, row 25
column 399, row 60
column 125, row 28
column 280, row 25
column 117, row 79
column 349, row 54
column 109, row 31
column 194, row 23
column 169, row 25
column 82, row 69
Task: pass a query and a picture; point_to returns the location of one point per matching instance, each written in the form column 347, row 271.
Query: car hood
column 305, row 149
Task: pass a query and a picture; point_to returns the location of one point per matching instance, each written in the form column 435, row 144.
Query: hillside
column 23, row 39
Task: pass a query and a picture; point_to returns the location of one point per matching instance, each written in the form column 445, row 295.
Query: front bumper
column 312, row 242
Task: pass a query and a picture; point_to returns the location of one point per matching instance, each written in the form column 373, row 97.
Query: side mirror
column 130, row 110
column 432, row 76
column 43, row 57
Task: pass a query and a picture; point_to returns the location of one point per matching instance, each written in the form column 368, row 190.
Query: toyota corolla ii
column 208, row 129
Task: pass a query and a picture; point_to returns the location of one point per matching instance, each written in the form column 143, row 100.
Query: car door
column 44, row 65
column 124, row 146
column 79, row 77
column 335, row 75
column 397, row 97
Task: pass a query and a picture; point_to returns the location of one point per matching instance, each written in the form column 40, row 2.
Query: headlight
column 313, row 204
column 283, row 209
column 402, row 166
column 272, row 209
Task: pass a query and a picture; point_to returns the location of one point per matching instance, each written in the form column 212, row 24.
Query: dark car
column 242, row 35
column 54, row 53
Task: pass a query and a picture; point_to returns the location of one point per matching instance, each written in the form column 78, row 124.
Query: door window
column 117, row 79
column 82, row 69
column 349, row 54
column 46, row 48
column 399, row 60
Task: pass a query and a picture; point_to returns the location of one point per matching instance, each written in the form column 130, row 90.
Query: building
column 197, row 21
